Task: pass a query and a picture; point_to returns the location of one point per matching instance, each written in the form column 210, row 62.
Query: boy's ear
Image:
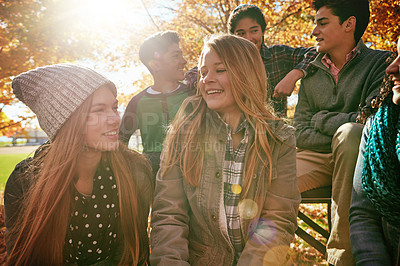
column 350, row 24
column 153, row 65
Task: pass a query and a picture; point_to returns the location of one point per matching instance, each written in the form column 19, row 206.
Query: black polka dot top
column 92, row 233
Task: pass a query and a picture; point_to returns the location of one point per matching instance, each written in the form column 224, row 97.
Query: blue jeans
column 373, row 240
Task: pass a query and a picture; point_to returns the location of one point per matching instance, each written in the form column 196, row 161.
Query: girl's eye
column 221, row 70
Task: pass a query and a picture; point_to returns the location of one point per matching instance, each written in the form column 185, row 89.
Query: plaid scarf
column 233, row 179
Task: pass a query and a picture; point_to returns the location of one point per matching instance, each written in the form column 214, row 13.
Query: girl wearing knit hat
column 375, row 203
column 84, row 198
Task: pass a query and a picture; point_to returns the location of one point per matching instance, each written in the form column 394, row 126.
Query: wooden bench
column 319, row 195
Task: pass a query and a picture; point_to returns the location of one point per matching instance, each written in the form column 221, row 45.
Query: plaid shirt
column 332, row 67
column 233, row 179
column 279, row 60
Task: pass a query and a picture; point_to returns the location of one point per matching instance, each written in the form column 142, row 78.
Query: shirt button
column 214, row 217
column 218, row 175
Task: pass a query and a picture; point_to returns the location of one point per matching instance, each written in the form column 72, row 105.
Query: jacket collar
column 281, row 130
column 266, row 55
column 359, row 49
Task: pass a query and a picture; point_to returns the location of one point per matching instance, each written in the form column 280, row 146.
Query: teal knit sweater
column 324, row 104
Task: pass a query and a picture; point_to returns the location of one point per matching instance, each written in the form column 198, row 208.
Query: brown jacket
column 189, row 223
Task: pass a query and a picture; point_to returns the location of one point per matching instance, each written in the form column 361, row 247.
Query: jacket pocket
column 196, row 249
column 204, row 255
column 199, row 254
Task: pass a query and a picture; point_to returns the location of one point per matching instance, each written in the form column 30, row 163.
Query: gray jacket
column 324, row 104
column 189, row 223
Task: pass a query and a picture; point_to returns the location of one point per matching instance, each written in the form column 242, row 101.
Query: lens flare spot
column 278, row 255
column 248, row 209
column 262, row 231
column 236, row 189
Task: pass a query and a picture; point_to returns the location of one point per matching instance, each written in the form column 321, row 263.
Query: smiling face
column 101, row 131
column 394, row 71
column 249, row 29
column 328, row 31
column 215, row 86
column 171, row 65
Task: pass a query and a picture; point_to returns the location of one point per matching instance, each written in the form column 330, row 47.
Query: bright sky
column 111, row 14
column 120, row 21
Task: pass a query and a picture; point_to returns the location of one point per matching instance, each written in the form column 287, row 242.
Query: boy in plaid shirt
column 284, row 65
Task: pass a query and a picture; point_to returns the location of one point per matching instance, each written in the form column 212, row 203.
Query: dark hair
column 157, row 44
column 347, row 8
column 246, row 11
column 385, row 92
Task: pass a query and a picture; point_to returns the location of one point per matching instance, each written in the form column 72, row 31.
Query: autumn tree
column 288, row 22
column 384, row 27
column 33, row 34
column 36, row 33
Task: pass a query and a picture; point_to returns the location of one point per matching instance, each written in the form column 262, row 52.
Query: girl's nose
column 393, row 68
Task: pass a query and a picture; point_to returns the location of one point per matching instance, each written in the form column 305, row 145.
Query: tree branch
column 196, row 21
column 150, row 16
column 284, row 18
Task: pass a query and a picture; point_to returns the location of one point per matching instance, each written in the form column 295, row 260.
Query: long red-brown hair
column 245, row 69
column 40, row 230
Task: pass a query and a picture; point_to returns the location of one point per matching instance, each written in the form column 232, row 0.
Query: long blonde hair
column 246, row 72
column 39, row 233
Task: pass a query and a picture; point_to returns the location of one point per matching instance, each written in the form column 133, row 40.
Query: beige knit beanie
column 54, row 92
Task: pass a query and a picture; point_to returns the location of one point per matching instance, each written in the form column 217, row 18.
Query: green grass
column 7, row 164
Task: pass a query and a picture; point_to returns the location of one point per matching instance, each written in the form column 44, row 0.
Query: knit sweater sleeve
column 307, row 137
column 323, row 105
column 328, row 122
column 130, row 123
